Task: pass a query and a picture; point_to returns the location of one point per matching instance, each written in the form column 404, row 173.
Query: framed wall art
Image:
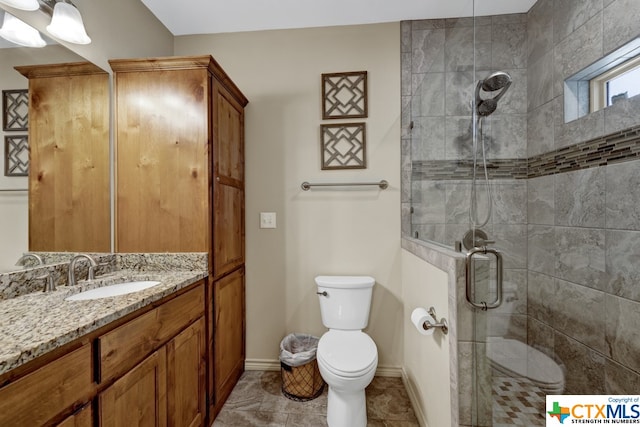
column 344, row 95
column 15, row 110
column 343, row 146
column 16, row 155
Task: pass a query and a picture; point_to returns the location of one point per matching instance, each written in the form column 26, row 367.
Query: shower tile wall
column 572, row 239
column 584, row 225
column 438, row 89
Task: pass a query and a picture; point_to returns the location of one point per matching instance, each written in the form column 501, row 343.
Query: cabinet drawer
column 124, row 347
column 41, row 395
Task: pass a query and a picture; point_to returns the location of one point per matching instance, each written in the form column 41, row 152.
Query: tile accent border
column 617, row 147
column 440, row 170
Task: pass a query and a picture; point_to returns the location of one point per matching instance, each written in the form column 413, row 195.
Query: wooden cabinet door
column 186, row 405
column 229, row 349
column 228, row 185
column 138, row 399
column 69, row 197
column 162, row 171
column 81, row 418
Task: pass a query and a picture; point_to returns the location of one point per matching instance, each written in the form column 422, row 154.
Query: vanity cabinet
column 69, row 201
column 139, row 397
column 179, row 138
column 83, row 417
column 146, row 369
column 41, row 395
column 166, row 388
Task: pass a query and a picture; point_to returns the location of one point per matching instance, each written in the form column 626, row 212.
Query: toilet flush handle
column 323, row 293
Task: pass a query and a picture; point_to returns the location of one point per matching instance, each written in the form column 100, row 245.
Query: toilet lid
column 519, row 359
column 347, row 353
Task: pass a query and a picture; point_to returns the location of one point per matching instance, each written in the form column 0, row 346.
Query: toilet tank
column 347, row 301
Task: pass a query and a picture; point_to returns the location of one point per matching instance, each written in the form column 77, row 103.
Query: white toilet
column 347, row 357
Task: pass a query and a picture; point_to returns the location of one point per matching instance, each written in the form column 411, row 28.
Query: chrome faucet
column 49, row 284
column 71, row 281
column 28, row 256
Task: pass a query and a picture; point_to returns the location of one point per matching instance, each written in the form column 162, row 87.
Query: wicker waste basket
column 301, row 379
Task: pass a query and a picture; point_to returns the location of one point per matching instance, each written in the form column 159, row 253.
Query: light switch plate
column 267, row 220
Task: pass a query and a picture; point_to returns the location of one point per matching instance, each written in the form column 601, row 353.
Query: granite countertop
column 33, row 324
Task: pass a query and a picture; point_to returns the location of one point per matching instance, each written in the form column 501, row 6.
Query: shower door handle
column 471, row 278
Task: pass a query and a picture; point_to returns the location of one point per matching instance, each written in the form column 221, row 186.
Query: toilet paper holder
column 443, row 325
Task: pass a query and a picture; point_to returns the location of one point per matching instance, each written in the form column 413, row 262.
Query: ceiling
column 226, row 16
column 186, row 17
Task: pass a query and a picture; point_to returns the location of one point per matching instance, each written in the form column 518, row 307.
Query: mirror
column 14, row 201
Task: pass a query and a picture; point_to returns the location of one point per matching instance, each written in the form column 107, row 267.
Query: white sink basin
column 112, row 290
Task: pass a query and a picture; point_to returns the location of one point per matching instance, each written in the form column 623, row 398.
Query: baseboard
column 261, row 365
column 389, row 371
column 274, row 365
column 413, row 397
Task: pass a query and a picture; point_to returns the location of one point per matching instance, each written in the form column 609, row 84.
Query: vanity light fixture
column 66, row 24
column 20, row 33
column 22, row 4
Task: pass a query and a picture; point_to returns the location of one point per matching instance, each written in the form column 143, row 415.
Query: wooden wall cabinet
column 179, row 159
column 69, row 191
column 179, row 131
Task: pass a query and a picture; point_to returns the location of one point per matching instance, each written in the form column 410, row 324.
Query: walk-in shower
column 487, row 148
column 469, row 191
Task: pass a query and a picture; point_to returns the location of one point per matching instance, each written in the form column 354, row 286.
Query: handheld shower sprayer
column 496, row 81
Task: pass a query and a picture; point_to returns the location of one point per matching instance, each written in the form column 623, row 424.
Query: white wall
column 319, row 232
column 426, row 358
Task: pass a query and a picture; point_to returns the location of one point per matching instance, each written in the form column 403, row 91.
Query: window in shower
column 612, row 78
column 620, row 82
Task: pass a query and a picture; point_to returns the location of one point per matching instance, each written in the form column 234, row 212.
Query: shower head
column 496, row 81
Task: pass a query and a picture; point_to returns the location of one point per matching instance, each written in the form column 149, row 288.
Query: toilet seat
column 347, row 353
column 517, row 359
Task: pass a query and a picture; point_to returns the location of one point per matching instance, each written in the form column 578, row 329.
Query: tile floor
column 257, row 401
column 517, row 402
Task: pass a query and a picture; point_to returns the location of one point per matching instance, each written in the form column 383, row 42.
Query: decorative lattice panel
column 344, row 95
column 343, row 146
column 15, row 110
column 16, row 155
